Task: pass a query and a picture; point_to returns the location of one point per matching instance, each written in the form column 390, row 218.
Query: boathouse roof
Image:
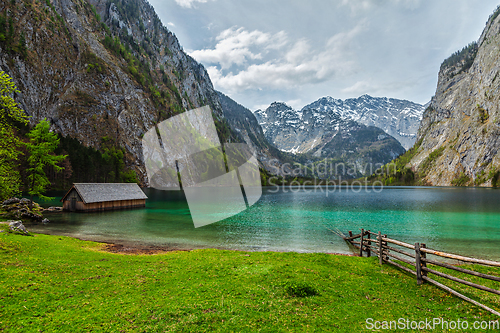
column 103, row 192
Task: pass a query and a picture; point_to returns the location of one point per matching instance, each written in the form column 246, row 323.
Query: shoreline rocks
column 53, row 209
column 20, row 209
column 18, row 227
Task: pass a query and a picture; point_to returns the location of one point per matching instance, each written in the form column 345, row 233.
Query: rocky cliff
column 100, row 70
column 459, row 139
column 244, row 123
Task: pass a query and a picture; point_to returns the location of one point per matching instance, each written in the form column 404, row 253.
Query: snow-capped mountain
column 305, row 130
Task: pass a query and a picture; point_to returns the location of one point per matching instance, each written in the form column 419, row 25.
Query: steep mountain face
column 398, row 118
column 328, row 135
column 357, row 146
column 296, row 132
column 300, row 131
column 100, row 71
column 459, row 138
column 243, row 122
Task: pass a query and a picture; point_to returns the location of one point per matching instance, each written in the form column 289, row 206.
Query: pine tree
column 11, row 116
column 41, row 154
column 22, row 46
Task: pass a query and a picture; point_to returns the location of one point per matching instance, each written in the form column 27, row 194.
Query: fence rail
column 379, row 246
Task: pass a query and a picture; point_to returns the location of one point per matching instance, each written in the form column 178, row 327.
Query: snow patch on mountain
column 298, row 131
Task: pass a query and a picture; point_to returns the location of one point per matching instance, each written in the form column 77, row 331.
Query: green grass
column 60, row 284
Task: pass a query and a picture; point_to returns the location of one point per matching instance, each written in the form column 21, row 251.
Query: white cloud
column 410, row 4
column 364, row 5
column 359, row 88
column 297, row 63
column 378, row 88
column 295, row 103
column 357, row 5
column 189, row 3
column 235, row 47
column 171, row 24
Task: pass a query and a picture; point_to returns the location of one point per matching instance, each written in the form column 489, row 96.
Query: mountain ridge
column 399, row 118
column 353, row 146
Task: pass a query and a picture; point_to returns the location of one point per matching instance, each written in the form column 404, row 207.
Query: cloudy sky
column 296, row 51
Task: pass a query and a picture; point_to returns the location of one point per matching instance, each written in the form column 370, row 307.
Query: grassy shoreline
column 61, row 284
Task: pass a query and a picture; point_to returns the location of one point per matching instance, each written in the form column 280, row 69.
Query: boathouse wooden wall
column 102, row 206
column 81, row 206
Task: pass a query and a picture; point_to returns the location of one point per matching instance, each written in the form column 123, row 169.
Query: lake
column 459, row 220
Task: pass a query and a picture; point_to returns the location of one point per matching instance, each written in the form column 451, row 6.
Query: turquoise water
column 459, row 220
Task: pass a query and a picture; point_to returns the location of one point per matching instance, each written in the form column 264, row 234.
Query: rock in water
column 54, row 209
column 19, row 209
column 31, row 216
column 18, row 226
column 45, row 221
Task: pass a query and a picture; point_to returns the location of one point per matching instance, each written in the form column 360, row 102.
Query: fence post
column 418, row 264
column 423, row 255
column 380, row 260
column 386, row 249
column 369, row 243
column 361, row 243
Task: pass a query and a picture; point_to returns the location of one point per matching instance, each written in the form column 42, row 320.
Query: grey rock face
column 11, row 201
column 19, row 209
column 25, row 201
column 301, row 131
column 244, row 122
column 18, row 226
column 59, row 81
column 463, row 118
column 54, row 209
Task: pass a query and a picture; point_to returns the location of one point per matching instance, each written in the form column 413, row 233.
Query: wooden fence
column 378, row 244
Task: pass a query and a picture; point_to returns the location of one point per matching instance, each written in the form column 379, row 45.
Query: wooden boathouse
column 93, row 197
